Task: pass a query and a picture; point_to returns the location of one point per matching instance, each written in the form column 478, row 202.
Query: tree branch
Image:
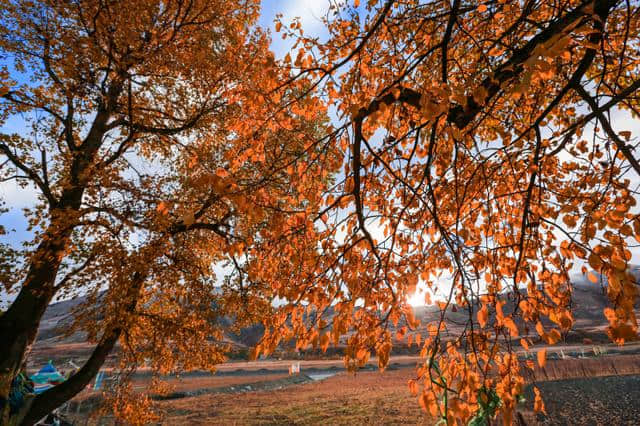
column 606, row 125
column 33, row 176
column 51, row 399
column 460, row 115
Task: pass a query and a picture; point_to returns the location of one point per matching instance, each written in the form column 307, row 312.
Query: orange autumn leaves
column 538, row 403
column 542, row 357
column 471, row 156
column 479, row 165
column 172, row 166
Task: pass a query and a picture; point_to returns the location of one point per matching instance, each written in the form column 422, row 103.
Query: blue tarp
column 46, row 377
column 98, row 383
column 37, row 389
column 20, row 386
column 48, row 368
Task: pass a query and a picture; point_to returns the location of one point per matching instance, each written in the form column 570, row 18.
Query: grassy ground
column 383, row 398
column 587, row 367
column 588, row 401
column 193, row 383
column 345, row 399
column 576, row 391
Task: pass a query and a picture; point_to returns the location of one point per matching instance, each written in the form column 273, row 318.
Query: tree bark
column 19, row 324
column 39, row 406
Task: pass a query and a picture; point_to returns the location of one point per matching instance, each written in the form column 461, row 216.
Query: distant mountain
column 588, row 303
column 57, row 318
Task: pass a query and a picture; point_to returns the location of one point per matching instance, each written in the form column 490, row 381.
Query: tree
column 160, row 150
column 485, row 157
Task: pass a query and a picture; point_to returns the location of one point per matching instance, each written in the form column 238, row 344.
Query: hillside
column 588, row 301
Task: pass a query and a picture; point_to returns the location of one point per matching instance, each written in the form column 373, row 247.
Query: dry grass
column 192, row 383
column 366, row 398
column 185, row 384
column 305, row 364
column 587, row 367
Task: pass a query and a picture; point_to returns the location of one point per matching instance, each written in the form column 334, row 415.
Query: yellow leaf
column 619, row 263
column 538, row 405
column 511, row 325
column 222, row 173
column 542, row 357
column 162, row 208
column 324, row 342
column 622, row 333
column 569, row 220
column 553, row 337
column 625, row 134
column 483, row 315
column 424, row 401
column 413, row 387
column 595, row 262
column 188, row 219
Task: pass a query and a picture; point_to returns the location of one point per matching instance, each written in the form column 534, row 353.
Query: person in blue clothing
column 20, row 388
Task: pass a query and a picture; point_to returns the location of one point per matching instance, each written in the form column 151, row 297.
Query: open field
column 618, row 365
column 193, row 383
column 611, row 400
column 261, row 392
column 603, row 390
column 383, row 398
column 364, row 398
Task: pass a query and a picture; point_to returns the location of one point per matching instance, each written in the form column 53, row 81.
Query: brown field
column 600, row 388
column 306, row 364
column 611, row 400
column 376, row 398
column 192, row 383
column 618, row 365
column 364, row 398
column 185, row 384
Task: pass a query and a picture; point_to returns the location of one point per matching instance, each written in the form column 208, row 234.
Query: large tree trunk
column 19, row 324
column 36, row 407
column 53, row 398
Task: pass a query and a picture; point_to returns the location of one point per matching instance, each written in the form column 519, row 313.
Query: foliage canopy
column 160, row 151
column 488, row 153
column 476, row 155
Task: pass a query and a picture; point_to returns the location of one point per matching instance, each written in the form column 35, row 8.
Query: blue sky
column 17, row 198
column 309, row 12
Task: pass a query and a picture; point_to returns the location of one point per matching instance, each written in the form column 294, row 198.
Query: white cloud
column 310, row 13
column 17, row 197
